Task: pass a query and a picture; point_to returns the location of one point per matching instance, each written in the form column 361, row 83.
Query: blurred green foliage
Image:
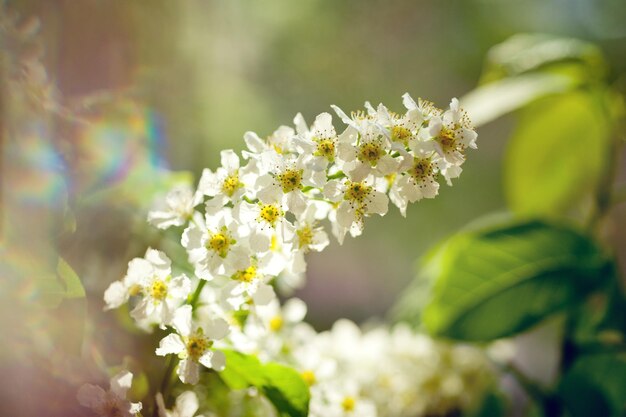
column 502, row 278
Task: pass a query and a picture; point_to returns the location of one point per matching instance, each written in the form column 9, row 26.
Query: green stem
column 196, row 295
column 168, row 375
column 336, row 175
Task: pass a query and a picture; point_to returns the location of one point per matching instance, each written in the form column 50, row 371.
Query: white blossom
column 193, row 344
column 111, row 403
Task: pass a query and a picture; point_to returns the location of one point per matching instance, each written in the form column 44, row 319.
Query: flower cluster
column 381, row 372
column 249, row 224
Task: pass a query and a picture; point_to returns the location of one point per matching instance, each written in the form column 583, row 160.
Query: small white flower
column 319, row 145
column 230, row 181
column 193, row 345
column 368, row 155
column 451, row 134
column 418, row 180
column 307, row 234
column 215, row 247
column 249, row 284
column 356, row 201
column 150, row 278
column 111, row 403
column 186, row 405
column 281, row 141
column 176, row 209
column 285, row 179
column 344, row 400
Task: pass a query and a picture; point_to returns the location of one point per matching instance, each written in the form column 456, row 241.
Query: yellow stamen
column 348, row 404
column 357, row 191
column 276, row 323
column 305, row 236
column 370, row 152
column 422, row 168
column 197, row 345
column 158, row 291
column 447, row 140
column 290, row 180
column 309, row 377
column 325, row 148
column 231, row 184
column 270, row 213
column 400, row 134
column 246, row 275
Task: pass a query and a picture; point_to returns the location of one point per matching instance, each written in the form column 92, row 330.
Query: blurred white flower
column 111, row 403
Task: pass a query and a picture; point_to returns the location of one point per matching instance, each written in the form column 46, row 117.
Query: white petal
column 270, row 193
column 179, row 287
column 343, row 116
column 332, row 190
column 294, row 310
column 254, row 142
column 387, row 164
column 300, row 124
column 121, row 383
column 187, row 404
column 182, row 320
column 170, row 344
column 320, row 240
column 263, row 295
column 359, row 172
column 217, row 329
column 188, row 371
column 296, row 202
column 259, row 241
column 158, row 259
column 218, row 360
column 115, row 295
column 135, row 408
column 345, row 215
column 164, row 220
column 408, row 102
column 213, row 359
column 245, row 212
column 229, row 160
column 378, row 203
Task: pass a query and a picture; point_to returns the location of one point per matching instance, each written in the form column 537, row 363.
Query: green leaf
column 283, row 386
column 595, row 386
column 557, row 153
column 493, row 405
column 73, row 285
column 242, row 370
column 528, row 67
column 498, row 281
column 524, row 53
column 490, row 101
column 286, row 389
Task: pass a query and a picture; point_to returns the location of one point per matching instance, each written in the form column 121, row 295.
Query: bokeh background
column 131, row 96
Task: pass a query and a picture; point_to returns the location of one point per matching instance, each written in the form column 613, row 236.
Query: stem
column 172, row 359
column 336, row 175
column 167, row 376
column 196, row 295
